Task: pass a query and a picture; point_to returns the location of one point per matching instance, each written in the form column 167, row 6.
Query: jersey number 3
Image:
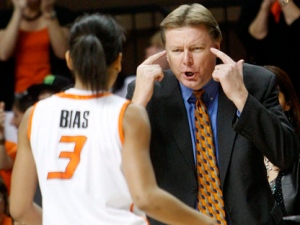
column 73, row 156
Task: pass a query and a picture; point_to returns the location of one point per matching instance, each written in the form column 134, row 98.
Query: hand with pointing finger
column 230, row 76
column 146, row 75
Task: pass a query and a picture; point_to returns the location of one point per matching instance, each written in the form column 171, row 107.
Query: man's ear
column 217, row 45
column 68, row 60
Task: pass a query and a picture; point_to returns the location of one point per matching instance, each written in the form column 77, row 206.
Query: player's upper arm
column 136, row 162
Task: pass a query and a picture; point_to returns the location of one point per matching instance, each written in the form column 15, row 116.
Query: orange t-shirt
column 11, row 149
column 7, row 220
column 32, row 58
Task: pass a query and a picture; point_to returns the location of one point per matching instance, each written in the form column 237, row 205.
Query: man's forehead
column 187, row 35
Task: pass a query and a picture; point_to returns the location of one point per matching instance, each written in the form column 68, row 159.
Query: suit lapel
column 226, row 134
column 176, row 118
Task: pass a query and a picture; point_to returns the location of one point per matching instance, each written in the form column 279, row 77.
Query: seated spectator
column 285, row 185
column 21, row 103
column 8, row 150
column 5, row 160
column 51, row 85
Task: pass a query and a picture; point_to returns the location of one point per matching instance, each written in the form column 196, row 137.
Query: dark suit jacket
column 290, row 184
column 262, row 129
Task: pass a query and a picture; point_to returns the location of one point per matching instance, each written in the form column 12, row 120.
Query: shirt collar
column 211, row 91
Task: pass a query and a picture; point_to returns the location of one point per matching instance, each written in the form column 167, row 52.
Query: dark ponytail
column 89, row 62
column 95, row 40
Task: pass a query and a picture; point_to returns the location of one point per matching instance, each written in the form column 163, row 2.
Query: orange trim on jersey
column 30, row 121
column 121, row 116
column 131, row 207
column 76, row 96
column 132, row 210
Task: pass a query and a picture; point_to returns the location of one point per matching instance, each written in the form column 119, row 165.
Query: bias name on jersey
column 74, row 119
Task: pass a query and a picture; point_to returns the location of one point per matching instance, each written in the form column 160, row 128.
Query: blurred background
column 141, row 19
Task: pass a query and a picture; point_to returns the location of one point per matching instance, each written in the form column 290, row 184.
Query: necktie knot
column 195, row 96
column 198, row 93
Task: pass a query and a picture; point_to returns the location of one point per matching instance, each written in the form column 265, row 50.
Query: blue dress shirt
column 210, row 99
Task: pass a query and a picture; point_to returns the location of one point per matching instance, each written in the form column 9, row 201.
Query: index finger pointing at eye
column 154, row 57
column 221, row 55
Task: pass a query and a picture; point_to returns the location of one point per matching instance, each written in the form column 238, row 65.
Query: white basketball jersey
column 76, row 139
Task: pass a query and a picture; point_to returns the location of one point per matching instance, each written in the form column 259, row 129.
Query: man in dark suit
column 247, row 121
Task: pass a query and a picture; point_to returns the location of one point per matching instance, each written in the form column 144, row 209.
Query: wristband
column 2, row 141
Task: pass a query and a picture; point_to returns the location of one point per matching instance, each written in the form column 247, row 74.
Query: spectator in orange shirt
column 32, row 45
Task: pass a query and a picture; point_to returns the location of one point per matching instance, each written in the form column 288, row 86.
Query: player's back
column 76, row 139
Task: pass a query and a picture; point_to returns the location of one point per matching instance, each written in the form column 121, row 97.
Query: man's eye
column 197, row 48
column 176, row 50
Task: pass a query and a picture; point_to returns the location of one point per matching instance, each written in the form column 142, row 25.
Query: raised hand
column 147, row 73
column 266, row 4
column 47, row 7
column 19, row 4
column 230, row 75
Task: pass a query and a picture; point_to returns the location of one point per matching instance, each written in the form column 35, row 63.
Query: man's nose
column 188, row 58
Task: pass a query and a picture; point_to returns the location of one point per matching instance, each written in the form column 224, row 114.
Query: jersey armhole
column 121, row 116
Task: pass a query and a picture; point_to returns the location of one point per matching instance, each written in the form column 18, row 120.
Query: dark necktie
column 210, row 198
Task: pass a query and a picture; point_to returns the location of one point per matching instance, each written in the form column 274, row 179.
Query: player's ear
column 69, row 60
column 117, row 64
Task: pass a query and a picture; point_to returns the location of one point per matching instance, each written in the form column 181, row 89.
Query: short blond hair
column 191, row 15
